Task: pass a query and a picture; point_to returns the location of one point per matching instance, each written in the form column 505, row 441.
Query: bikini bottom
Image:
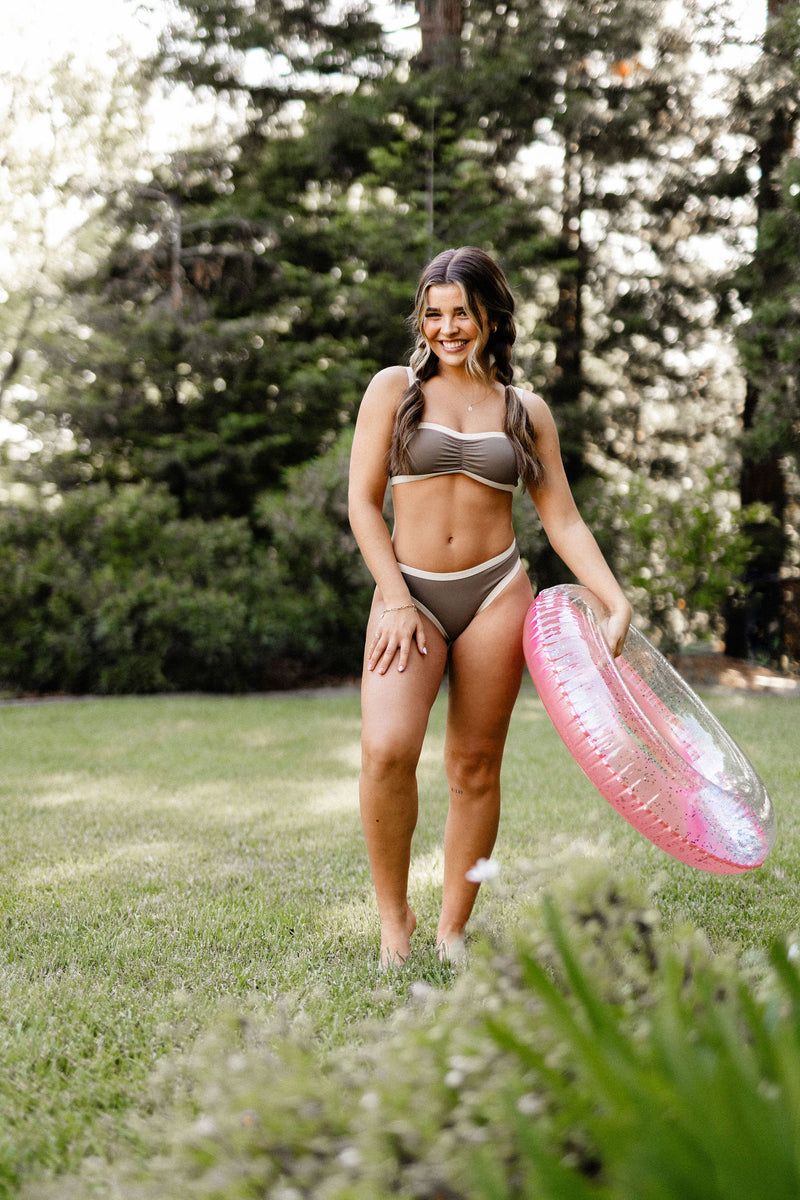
column 452, row 598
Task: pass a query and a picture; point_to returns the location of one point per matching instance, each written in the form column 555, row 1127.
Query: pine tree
column 222, row 348
column 769, row 340
column 252, row 291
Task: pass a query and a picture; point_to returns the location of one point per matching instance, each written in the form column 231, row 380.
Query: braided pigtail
column 407, row 418
column 518, row 428
column 501, row 340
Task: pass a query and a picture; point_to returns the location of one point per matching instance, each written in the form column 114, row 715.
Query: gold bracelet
column 399, row 608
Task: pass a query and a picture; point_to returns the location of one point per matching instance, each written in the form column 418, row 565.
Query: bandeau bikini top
column 436, row 450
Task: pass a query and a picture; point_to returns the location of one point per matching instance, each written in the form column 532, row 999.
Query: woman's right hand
column 397, row 630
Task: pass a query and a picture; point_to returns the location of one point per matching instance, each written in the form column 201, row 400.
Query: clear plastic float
column 645, row 740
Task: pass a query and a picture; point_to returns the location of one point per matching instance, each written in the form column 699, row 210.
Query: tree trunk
column 755, row 627
column 566, row 382
column 440, row 25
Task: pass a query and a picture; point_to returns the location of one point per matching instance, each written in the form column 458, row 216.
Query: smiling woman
column 455, row 438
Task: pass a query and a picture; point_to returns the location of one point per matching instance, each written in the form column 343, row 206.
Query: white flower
column 484, row 871
column 350, row 1158
column 530, row 1105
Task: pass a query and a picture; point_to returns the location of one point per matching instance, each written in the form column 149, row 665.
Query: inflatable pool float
column 644, row 739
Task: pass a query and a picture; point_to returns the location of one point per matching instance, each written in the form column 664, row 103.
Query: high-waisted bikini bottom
column 452, row 598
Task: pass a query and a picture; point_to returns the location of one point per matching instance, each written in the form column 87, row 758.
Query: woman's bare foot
column 451, row 947
column 396, row 939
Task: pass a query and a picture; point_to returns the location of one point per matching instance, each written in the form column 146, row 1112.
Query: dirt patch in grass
column 723, row 672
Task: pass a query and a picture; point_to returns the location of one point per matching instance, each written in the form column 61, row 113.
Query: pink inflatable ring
column 645, row 740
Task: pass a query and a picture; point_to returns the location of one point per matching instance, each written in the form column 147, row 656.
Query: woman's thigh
column 395, row 707
column 485, row 674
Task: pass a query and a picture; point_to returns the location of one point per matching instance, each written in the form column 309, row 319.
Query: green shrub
column 600, row 1057
column 321, row 567
column 680, row 555
column 113, row 592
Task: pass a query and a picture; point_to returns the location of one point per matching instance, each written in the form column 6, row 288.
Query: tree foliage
column 252, row 288
column 66, row 128
column 271, row 279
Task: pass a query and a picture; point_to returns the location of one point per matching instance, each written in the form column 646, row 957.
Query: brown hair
column 483, row 287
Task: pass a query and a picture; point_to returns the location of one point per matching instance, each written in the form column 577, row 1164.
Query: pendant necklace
column 477, row 402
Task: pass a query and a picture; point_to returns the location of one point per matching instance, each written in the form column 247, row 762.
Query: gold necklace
column 477, row 402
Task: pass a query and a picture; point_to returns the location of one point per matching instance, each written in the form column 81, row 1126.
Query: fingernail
column 401, row 668
column 424, row 649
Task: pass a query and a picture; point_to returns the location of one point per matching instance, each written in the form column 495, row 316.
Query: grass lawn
column 164, row 857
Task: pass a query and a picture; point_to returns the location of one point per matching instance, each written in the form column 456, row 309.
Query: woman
column 454, row 438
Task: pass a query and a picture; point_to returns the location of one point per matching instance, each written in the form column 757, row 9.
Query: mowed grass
column 552, row 814
column 163, row 858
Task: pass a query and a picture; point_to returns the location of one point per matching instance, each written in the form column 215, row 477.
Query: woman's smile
column 446, row 324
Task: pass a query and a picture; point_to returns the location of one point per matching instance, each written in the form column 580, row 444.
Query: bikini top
column 436, row 450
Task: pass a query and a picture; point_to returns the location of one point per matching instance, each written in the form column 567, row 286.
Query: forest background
column 183, row 351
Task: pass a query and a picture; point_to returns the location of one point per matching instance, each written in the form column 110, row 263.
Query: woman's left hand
column 615, row 629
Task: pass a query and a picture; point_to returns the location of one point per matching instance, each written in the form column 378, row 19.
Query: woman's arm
column 367, row 489
column 567, row 532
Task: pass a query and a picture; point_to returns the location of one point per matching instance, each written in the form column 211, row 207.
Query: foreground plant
column 600, row 1057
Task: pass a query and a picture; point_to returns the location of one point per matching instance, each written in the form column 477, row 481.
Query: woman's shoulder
column 386, row 388
column 383, row 395
column 392, row 377
column 536, row 407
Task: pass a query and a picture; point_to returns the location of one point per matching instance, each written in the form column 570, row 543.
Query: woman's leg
column 485, row 676
column 394, row 709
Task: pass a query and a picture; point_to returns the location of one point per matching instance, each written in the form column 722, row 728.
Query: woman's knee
column 386, row 753
column 473, row 769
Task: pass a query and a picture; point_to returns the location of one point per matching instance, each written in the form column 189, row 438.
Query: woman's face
column 447, row 327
